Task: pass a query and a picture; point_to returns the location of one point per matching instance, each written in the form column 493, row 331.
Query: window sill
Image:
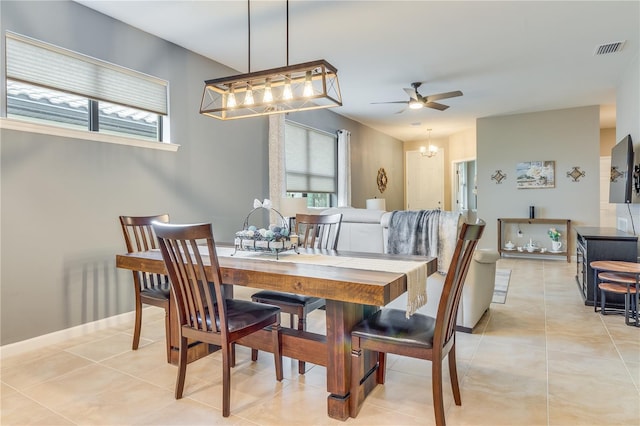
column 23, row 126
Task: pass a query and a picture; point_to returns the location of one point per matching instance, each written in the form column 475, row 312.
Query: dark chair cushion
column 286, row 298
column 393, row 326
column 242, row 313
column 158, row 293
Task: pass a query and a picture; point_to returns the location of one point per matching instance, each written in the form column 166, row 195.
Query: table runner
column 416, row 271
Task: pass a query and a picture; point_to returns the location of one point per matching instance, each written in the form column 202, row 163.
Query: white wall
column 570, row 137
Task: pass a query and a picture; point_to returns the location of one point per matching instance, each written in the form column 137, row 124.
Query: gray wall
column 628, row 123
column 570, row 137
column 61, row 197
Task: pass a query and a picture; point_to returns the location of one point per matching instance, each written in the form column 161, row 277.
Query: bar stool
column 619, row 283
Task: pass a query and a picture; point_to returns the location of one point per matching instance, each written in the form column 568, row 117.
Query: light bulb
column 231, row 100
column 413, row 104
column 268, row 96
column 286, row 91
column 248, row 98
column 308, row 87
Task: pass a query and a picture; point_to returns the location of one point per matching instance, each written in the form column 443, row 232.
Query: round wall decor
column 382, row 180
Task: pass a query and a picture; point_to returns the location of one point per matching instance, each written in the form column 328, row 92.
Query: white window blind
column 39, row 63
column 310, row 160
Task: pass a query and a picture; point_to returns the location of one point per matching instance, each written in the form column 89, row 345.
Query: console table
column 532, row 229
column 595, row 243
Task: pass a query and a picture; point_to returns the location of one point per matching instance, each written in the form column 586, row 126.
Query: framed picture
column 535, row 174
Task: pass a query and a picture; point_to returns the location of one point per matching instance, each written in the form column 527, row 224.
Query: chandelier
column 431, row 151
column 300, row 87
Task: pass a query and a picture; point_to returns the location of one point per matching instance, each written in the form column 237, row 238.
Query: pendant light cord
column 249, row 35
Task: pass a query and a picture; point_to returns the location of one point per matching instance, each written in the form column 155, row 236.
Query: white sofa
column 367, row 230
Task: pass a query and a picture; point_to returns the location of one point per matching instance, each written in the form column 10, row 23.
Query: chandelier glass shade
column 431, row 151
column 428, row 152
column 306, row 86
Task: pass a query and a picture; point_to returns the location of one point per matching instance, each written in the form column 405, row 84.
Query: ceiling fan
column 418, row 101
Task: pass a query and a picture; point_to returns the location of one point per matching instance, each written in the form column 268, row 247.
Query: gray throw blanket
column 414, row 232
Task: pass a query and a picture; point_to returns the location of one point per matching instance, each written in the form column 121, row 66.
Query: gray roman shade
column 35, row 62
column 310, row 160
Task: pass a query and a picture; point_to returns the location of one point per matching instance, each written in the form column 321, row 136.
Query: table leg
column 341, row 317
column 595, row 290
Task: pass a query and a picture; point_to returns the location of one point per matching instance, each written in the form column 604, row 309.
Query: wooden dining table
column 350, row 293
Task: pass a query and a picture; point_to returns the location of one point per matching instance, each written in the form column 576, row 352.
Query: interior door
column 424, row 181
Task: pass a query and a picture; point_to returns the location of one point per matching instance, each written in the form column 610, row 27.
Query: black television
column 620, row 183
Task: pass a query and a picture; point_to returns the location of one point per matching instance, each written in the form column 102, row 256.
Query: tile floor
column 543, row 358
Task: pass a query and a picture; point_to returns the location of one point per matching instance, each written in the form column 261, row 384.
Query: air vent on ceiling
column 614, row 47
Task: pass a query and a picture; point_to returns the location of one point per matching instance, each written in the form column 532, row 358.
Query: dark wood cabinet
column 594, row 243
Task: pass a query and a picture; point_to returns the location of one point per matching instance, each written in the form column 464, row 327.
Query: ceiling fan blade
column 413, row 94
column 392, row 102
column 436, row 105
column 439, row 96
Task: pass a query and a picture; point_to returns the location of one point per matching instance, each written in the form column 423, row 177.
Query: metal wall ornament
column 381, row 180
column 498, row 176
column 576, row 174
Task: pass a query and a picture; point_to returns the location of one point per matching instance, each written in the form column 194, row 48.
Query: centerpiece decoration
column 274, row 239
column 556, row 244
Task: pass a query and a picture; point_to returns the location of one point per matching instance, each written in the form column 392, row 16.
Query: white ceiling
column 506, row 57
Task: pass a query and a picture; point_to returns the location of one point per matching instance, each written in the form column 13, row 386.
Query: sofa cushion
column 353, row 215
column 360, row 230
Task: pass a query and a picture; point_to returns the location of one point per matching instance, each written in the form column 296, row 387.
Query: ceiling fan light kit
column 300, row 87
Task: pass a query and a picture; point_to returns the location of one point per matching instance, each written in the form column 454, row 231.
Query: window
column 310, row 163
column 50, row 85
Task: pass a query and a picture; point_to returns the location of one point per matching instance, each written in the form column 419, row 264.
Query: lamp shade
column 289, row 207
column 376, row 204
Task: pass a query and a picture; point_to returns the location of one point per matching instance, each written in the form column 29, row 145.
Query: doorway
column 465, row 189
column 424, row 181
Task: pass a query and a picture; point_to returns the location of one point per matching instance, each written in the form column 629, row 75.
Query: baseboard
column 464, row 329
column 39, row 342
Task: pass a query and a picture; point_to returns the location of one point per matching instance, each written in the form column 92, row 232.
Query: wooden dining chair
column 205, row 315
column 419, row 336
column 314, row 231
column 150, row 289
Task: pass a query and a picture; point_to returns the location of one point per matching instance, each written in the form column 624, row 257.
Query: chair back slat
column 197, row 307
column 138, row 231
column 318, row 231
column 139, row 236
column 454, row 282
